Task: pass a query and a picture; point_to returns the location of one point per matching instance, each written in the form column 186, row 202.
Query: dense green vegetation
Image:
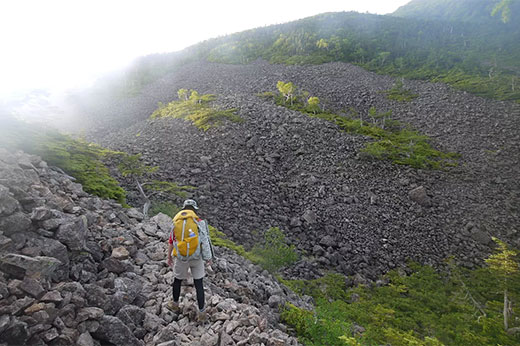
column 195, row 108
column 83, row 161
column 426, row 307
column 464, row 47
column 393, row 141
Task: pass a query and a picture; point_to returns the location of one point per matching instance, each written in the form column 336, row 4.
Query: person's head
column 190, row 204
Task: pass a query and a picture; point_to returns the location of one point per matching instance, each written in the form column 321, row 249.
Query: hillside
column 477, row 11
column 344, row 212
column 282, row 168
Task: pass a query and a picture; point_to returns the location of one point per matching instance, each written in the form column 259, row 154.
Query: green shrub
column 197, row 110
column 275, row 253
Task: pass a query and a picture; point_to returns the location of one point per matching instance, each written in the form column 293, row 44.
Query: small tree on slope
column 504, row 266
column 131, row 166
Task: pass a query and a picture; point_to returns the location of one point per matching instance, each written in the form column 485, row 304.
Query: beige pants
column 180, row 270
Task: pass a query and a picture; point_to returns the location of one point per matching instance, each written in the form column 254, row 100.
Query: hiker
column 190, row 244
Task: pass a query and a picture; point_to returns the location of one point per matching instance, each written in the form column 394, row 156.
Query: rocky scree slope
column 282, row 168
column 78, row 270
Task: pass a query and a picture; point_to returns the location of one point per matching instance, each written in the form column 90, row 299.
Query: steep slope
column 281, row 168
column 78, row 270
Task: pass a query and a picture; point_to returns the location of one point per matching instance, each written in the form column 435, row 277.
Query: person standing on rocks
column 189, row 230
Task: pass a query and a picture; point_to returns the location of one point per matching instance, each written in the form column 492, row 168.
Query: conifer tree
column 504, row 266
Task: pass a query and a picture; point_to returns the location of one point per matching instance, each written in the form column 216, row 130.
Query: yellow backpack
column 186, row 231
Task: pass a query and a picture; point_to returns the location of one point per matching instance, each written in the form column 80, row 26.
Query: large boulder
column 16, row 223
column 8, row 204
column 17, row 333
column 419, row 196
column 19, row 266
column 74, row 234
column 113, row 330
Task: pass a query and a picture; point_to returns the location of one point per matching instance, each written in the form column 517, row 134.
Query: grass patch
column 271, row 255
column 81, row 160
column 394, row 141
column 275, row 252
column 197, row 110
column 423, row 308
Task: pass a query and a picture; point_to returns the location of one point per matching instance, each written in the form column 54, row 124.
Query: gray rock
column 419, row 196
column 168, row 333
column 52, row 224
column 33, row 287
column 73, row 234
column 37, row 267
column 169, row 343
column 8, row 204
column 481, row 236
column 120, row 253
column 357, row 330
column 85, row 339
column 208, row 339
column 89, row 313
column 136, row 214
column 328, row 241
column 15, row 223
column 4, row 322
column 164, row 222
column 17, row 307
column 295, row 222
column 310, row 217
column 111, row 329
column 127, row 288
column 275, row 301
column 152, row 322
column 115, row 266
column 50, row 335
column 96, row 296
column 132, row 316
column 17, row 333
column 42, row 214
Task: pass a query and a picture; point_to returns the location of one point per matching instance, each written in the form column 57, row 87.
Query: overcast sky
column 67, row 43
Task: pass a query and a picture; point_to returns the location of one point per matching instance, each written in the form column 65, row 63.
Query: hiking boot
column 173, row 306
column 202, row 316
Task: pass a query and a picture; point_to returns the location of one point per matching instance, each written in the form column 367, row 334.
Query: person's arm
column 170, row 247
